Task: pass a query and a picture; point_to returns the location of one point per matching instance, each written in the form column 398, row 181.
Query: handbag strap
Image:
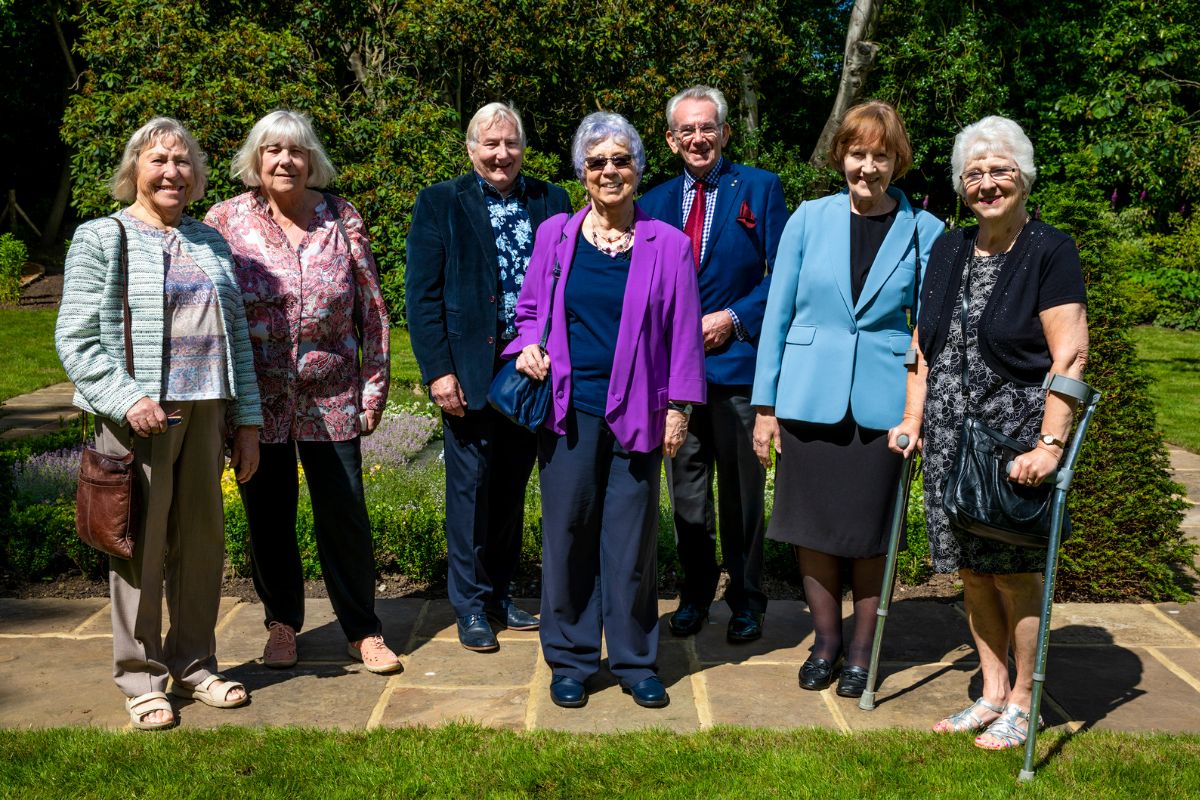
column 126, row 312
column 912, row 312
column 550, row 313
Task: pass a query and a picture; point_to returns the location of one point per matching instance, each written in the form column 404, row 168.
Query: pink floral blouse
column 301, row 307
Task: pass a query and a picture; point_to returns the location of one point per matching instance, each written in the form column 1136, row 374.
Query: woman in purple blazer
column 626, row 360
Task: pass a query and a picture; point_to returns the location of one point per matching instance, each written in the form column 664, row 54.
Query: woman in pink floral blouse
column 313, row 305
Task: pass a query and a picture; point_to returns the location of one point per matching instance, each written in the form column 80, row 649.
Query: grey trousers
column 181, row 542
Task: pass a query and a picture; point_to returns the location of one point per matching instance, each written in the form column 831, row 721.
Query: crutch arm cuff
column 1068, row 387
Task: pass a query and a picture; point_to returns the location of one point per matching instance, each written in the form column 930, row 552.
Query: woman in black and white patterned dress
column 1026, row 318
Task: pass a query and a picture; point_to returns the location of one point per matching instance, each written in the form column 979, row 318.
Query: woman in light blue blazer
column 830, row 377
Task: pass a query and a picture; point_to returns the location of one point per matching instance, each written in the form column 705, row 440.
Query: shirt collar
column 709, row 178
column 518, row 191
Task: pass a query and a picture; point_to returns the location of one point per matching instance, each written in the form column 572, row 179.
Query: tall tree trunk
column 749, row 111
column 859, row 58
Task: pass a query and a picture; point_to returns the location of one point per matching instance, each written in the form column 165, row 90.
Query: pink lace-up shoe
column 375, row 655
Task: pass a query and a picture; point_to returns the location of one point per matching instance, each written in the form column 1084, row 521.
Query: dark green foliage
column 1124, row 507
column 12, row 257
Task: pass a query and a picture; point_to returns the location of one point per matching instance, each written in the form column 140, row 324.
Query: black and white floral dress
column 1005, row 406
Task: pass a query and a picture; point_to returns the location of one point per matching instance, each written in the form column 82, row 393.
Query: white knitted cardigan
column 90, row 337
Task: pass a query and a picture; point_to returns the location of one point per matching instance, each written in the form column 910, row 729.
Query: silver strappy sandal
column 1010, row 730
column 968, row 719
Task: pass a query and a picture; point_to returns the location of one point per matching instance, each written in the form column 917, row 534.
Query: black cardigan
column 1042, row 271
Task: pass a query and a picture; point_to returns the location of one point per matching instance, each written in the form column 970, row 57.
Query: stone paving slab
column 50, row 615
column 1188, row 616
column 57, row 682
column 436, row 663
column 1127, row 625
column 763, row 696
column 440, row 622
column 491, row 708
column 1115, row 688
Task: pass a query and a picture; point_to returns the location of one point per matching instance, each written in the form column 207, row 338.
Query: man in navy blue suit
column 468, row 247
column 734, row 215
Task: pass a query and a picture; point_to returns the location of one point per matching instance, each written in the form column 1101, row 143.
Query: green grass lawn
column 1173, row 360
column 27, row 342
column 462, row 761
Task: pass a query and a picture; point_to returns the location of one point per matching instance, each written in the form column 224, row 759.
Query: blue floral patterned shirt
column 514, row 246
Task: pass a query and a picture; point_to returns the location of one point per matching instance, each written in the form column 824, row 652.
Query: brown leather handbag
column 105, row 504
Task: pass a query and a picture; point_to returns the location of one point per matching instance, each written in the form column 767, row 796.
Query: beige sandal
column 145, row 704
column 204, row 692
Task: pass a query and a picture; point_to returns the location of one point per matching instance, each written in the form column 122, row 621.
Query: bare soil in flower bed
column 75, row 586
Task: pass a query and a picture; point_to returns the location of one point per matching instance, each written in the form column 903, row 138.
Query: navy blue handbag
column 517, row 396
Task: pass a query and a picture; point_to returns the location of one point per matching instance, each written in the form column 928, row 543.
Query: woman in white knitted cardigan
column 193, row 384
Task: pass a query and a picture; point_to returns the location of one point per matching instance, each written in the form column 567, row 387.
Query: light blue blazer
column 821, row 353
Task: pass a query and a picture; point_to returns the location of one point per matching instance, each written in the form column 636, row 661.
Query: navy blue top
column 594, row 295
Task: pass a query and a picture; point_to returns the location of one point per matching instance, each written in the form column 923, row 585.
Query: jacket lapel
column 470, row 199
column 839, row 243
column 642, row 273
column 891, row 251
column 731, row 189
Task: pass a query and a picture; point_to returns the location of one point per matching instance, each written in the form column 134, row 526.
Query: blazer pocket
column 801, row 334
column 900, row 344
column 453, row 323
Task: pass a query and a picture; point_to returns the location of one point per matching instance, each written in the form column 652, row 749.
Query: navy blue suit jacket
column 452, row 282
column 736, row 270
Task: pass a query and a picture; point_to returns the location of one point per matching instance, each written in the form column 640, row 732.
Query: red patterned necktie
column 694, row 227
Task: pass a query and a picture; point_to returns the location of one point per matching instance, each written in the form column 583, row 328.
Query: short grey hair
column 698, row 92
column 600, row 126
column 283, row 126
column 490, row 115
column 992, row 136
column 123, row 184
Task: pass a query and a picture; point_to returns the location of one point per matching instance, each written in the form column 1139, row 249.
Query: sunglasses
column 597, row 163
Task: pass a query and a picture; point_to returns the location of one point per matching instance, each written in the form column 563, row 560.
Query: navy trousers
column 599, row 552
column 488, row 463
column 340, row 526
column 720, row 434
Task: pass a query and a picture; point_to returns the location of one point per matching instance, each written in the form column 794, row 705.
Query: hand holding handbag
column 105, row 507
column 979, row 498
column 520, row 398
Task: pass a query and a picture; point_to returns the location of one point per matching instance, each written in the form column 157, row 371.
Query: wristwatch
column 682, row 408
column 1048, row 439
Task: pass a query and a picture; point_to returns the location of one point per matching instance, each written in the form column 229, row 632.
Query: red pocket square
column 746, row 216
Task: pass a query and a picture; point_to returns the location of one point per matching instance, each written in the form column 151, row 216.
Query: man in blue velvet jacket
column 468, row 248
column 734, row 215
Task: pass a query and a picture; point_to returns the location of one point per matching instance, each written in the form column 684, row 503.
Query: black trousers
column 488, row 463
column 340, row 525
column 720, row 434
column 599, row 552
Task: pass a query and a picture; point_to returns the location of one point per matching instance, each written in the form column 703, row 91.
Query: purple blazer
column 660, row 347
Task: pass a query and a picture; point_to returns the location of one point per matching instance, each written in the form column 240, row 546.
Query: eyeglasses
column 598, row 163
column 689, row 132
column 998, row 175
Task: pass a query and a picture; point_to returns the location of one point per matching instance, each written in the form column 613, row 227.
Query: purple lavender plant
column 48, row 476
column 397, row 440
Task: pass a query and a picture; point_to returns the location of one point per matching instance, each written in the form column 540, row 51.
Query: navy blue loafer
column 817, row 673
column 744, row 626
column 688, row 620
column 474, row 633
column 649, row 693
column 506, row 614
column 567, row 692
column 853, row 681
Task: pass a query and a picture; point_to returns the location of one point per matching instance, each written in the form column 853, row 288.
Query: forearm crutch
column 899, row 519
column 1088, row 397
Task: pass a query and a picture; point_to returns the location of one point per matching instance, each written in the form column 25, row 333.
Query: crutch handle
column 902, row 440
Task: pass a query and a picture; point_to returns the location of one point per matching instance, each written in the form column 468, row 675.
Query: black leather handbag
column 979, row 498
column 517, row 396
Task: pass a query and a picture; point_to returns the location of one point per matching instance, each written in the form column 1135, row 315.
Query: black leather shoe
column 853, row 682
column 649, row 693
column 567, row 692
column 687, row 620
column 474, row 633
column 744, row 626
column 817, row 673
column 506, row 614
